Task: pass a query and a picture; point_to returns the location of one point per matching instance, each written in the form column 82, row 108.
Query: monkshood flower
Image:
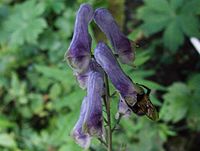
column 93, row 120
column 81, row 138
column 127, row 89
column 123, row 109
column 78, row 54
column 121, row 44
column 82, row 78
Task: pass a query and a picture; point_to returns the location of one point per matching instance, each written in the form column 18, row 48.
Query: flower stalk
column 92, row 72
column 107, row 105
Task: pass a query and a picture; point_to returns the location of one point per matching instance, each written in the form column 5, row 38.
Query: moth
column 144, row 105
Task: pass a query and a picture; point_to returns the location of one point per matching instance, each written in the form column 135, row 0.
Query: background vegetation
column 40, row 98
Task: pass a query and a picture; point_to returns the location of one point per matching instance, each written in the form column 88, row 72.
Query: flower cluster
column 90, row 70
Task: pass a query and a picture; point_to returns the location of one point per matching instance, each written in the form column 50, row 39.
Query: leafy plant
column 23, row 18
column 182, row 101
column 176, row 18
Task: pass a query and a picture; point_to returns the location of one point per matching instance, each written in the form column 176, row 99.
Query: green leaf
column 139, row 74
column 176, row 4
column 150, row 132
column 193, row 118
column 5, row 123
column 65, row 76
column 66, row 23
column 153, row 85
column 56, row 6
column 165, row 131
column 191, row 7
column 25, row 112
column 55, row 91
column 155, row 100
column 70, row 146
column 190, row 25
column 6, row 140
column 155, row 23
column 17, row 90
column 158, row 5
column 72, row 100
column 193, row 81
column 36, row 103
column 176, row 103
column 173, row 36
column 135, row 34
column 24, row 24
column 141, row 58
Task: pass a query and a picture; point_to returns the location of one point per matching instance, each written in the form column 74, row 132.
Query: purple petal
column 121, row 44
column 127, row 89
column 82, row 78
column 81, row 138
column 78, row 54
column 94, row 66
column 123, row 109
column 93, row 122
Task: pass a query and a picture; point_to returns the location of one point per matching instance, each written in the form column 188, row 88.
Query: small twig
column 103, row 142
column 105, row 120
column 117, row 123
column 104, row 111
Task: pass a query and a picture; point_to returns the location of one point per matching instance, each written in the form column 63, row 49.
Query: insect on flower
column 144, row 105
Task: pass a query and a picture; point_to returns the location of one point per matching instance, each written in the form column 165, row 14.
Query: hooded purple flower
column 93, row 121
column 121, row 44
column 82, row 78
column 127, row 89
column 81, row 138
column 78, row 54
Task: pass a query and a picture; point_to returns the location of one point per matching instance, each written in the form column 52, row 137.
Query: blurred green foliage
column 176, row 17
column 40, row 98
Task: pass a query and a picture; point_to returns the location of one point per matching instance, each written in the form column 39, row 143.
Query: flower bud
column 81, row 138
column 93, row 122
column 78, row 54
column 121, row 44
column 127, row 89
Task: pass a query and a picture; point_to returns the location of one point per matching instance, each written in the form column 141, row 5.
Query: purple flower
column 81, row 138
column 93, row 121
column 121, row 44
column 127, row 89
column 78, row 54
column 82, row 78
column 123, row 109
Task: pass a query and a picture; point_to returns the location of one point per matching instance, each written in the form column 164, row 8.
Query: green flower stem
column 117, row 123
column 107, row 104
